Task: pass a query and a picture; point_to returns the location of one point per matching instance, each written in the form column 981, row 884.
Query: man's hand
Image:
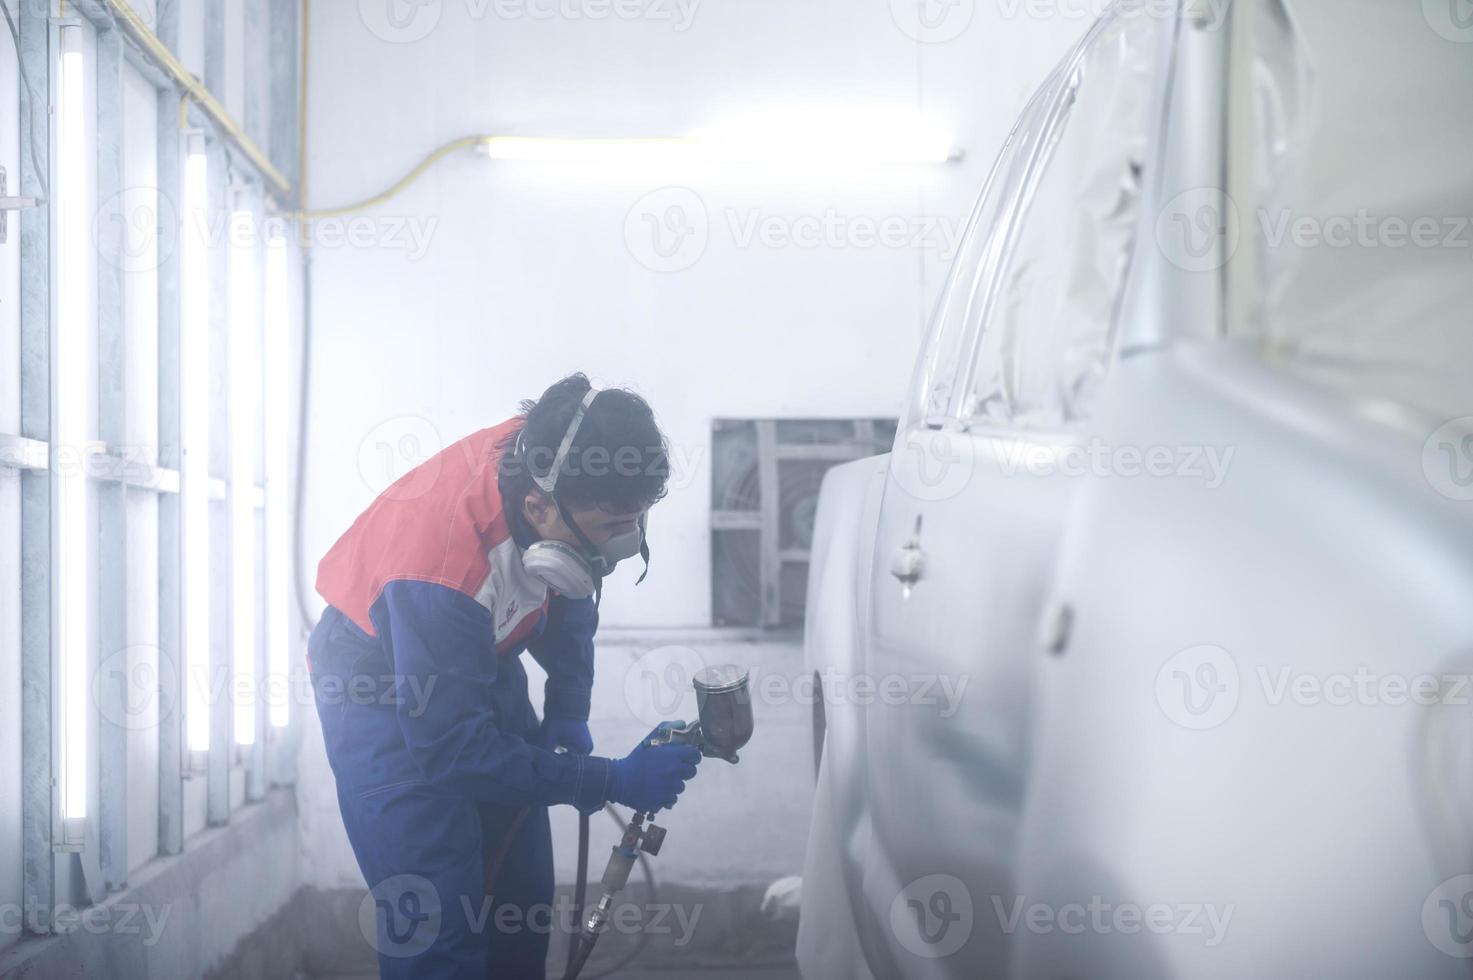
column 565, row 733
column 652, row 776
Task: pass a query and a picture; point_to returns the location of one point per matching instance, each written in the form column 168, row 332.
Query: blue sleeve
column 442, row 644
column 565, row 650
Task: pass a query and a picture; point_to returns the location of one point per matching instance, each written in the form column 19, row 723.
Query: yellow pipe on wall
column 196, row 91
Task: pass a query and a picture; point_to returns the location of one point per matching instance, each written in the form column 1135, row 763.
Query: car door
column 977, row 491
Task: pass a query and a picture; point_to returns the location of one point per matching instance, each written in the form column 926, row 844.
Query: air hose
column 580, row 892
column 577, row 952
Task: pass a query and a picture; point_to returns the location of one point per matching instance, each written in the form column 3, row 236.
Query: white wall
column 527, row 273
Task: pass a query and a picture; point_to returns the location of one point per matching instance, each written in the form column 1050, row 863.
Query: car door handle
column 909, row 564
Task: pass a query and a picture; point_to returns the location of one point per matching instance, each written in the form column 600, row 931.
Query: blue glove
column 652, row 776
column 566, row 733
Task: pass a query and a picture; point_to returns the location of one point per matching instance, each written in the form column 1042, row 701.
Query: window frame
column 113, row 472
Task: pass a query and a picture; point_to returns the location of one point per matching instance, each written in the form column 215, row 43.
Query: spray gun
column 724, row 704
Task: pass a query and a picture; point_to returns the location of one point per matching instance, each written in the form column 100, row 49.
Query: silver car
column 1146, row 652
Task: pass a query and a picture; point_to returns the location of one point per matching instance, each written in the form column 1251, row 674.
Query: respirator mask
column 577, row 572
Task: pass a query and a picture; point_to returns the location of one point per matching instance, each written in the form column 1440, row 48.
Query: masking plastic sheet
column 1359, row 209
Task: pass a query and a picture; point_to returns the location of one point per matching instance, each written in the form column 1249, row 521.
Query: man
column 496, row 545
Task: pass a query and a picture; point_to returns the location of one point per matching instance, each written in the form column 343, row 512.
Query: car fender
column 830, row 937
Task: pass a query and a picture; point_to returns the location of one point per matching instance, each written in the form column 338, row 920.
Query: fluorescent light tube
column 71, row 434
column 245, row 383
column 277, row 408
column 194, row 427
column 830, row 137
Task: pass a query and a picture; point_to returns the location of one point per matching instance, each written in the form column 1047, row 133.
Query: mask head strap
column 548, row 484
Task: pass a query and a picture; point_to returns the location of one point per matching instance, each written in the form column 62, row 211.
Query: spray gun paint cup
column 724, row 700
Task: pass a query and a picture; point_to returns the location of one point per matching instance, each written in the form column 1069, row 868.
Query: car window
column 934, row 386
column 1061, row 254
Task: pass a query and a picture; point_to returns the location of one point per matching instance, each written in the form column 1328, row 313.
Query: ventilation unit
column 765, row 476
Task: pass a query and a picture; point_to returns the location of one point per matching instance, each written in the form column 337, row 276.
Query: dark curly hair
column 619, row 459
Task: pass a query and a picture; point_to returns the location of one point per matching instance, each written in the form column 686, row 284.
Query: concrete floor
column 716, row 973
column 634, row 973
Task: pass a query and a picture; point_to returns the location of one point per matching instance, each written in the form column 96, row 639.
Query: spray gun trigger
column 676, row 732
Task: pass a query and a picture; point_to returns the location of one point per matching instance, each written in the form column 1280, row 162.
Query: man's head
column 612, row 472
